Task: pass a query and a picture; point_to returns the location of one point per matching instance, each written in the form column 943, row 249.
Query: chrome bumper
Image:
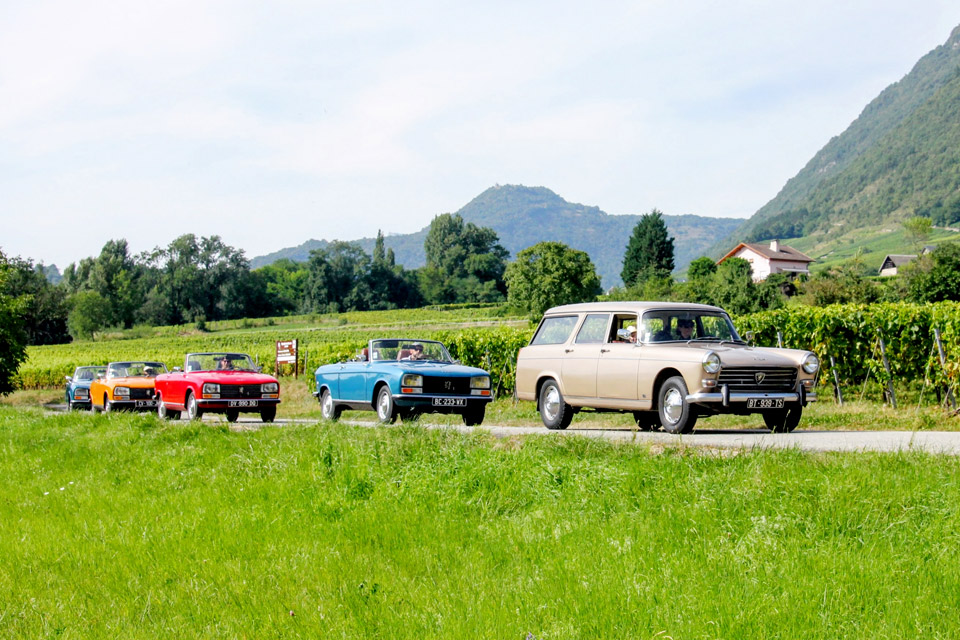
column 725, row 397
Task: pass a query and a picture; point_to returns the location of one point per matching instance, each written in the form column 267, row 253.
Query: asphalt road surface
column 941, row 442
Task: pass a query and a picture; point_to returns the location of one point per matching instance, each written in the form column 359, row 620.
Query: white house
column 766, row 259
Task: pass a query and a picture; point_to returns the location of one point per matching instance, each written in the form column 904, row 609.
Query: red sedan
column 228, row 383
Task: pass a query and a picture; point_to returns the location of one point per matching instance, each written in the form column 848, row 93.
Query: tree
column 649, row 251
column 13, row 338
column 549, row 274
column 918, row 230
column 935, row 276
column 733, row 287
column 465, row 263
column 44, row 312
column 89, row 311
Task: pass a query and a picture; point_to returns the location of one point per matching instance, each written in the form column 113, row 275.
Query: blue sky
column 272, row 123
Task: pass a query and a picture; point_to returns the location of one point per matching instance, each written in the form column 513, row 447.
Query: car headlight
column 81, row 394
column 411, row 380
column 122, row 391
column 811, row 363
column 480, row 382
column 211, row 387
column 711, row 362
column 270, row 387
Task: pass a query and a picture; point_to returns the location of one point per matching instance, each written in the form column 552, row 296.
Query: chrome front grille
column 240, row 391
column 760, row 379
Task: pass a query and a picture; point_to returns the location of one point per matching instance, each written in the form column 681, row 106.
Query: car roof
column 623, row 307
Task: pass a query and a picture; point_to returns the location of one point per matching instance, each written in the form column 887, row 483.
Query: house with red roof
column 766, row 259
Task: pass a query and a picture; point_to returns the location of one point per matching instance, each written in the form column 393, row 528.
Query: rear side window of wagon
column 554, row 330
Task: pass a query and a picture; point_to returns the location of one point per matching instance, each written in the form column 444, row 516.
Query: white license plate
column 764, row 403
column 449, row 402
column 145, row 403
column 241, row 403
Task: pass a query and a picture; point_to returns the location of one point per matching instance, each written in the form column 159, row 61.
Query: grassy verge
column 124, row 526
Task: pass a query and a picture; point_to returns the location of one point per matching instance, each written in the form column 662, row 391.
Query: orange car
column 126, row 385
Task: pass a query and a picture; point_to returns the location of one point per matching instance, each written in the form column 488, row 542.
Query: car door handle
column 568, row 350
column 604, row 350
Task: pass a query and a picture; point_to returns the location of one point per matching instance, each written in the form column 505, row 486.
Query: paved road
column 945, row 442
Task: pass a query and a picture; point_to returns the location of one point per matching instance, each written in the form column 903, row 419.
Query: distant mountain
column 523, row 216
column 899, row 158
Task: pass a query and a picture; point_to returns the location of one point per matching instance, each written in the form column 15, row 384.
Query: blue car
column 77, row 393
column 403, row 377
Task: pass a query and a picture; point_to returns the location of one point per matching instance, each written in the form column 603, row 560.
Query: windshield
column 135, row 369
column 89, row 373
column 411, row 350
column 683, row 325
column 219, row 362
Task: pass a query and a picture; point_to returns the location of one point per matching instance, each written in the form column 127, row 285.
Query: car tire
column 676, row 414
column 555, row 413
column 647, row 420
column 268, row 414
column 328, row 408
column 108, row 406
column 93, row 407
column 232, row 415
column 386, row 411
column 163, row 413
column 783, row 420
column 474, row 417
column 194, row 412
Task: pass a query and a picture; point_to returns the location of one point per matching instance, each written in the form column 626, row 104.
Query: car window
column 593, row 329
column 554, row 330
column 668, row 325
column 623, row 328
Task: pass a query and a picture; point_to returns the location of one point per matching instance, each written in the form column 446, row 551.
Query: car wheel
column 555, row 413
column 267, row 414
column 676, row 414
column 108, row 406
column 474, row 417
column 328, row 408
column 194, row 412
column 93, row 407
column 783, row 420
column 232, row 415
column 386, row 412
column 647, row 420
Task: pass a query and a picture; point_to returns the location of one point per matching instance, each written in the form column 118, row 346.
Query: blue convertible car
column 78, row 386
column 406, row 378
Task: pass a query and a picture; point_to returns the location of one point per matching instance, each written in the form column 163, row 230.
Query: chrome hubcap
column 673, row 406
column 383, row 407
column 327, row 405
column 551, row 404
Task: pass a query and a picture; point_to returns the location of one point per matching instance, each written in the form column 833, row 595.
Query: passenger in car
column 684, row 329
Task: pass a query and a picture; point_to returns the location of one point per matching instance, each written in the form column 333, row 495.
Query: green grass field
column 125, row 526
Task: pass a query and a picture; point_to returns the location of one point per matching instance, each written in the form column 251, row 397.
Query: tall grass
column 124, row 526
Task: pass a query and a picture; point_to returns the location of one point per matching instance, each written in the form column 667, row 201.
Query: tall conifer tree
column 649, row 251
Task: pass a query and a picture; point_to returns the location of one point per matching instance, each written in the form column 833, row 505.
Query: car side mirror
column 748, row 336
column 177, row 369
column 68, row 378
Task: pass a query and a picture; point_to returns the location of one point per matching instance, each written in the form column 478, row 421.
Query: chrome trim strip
column 743, row 397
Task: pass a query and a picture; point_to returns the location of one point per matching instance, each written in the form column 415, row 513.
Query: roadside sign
column 287, row 354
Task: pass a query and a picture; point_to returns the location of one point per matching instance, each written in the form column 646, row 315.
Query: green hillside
column 523, row 216
column 897, row 159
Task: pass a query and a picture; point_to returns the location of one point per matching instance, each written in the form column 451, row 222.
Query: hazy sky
column 271, row 123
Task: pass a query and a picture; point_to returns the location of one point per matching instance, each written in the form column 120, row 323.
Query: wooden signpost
column 287, row 354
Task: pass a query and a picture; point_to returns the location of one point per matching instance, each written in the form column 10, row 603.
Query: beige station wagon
column 667, row 363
